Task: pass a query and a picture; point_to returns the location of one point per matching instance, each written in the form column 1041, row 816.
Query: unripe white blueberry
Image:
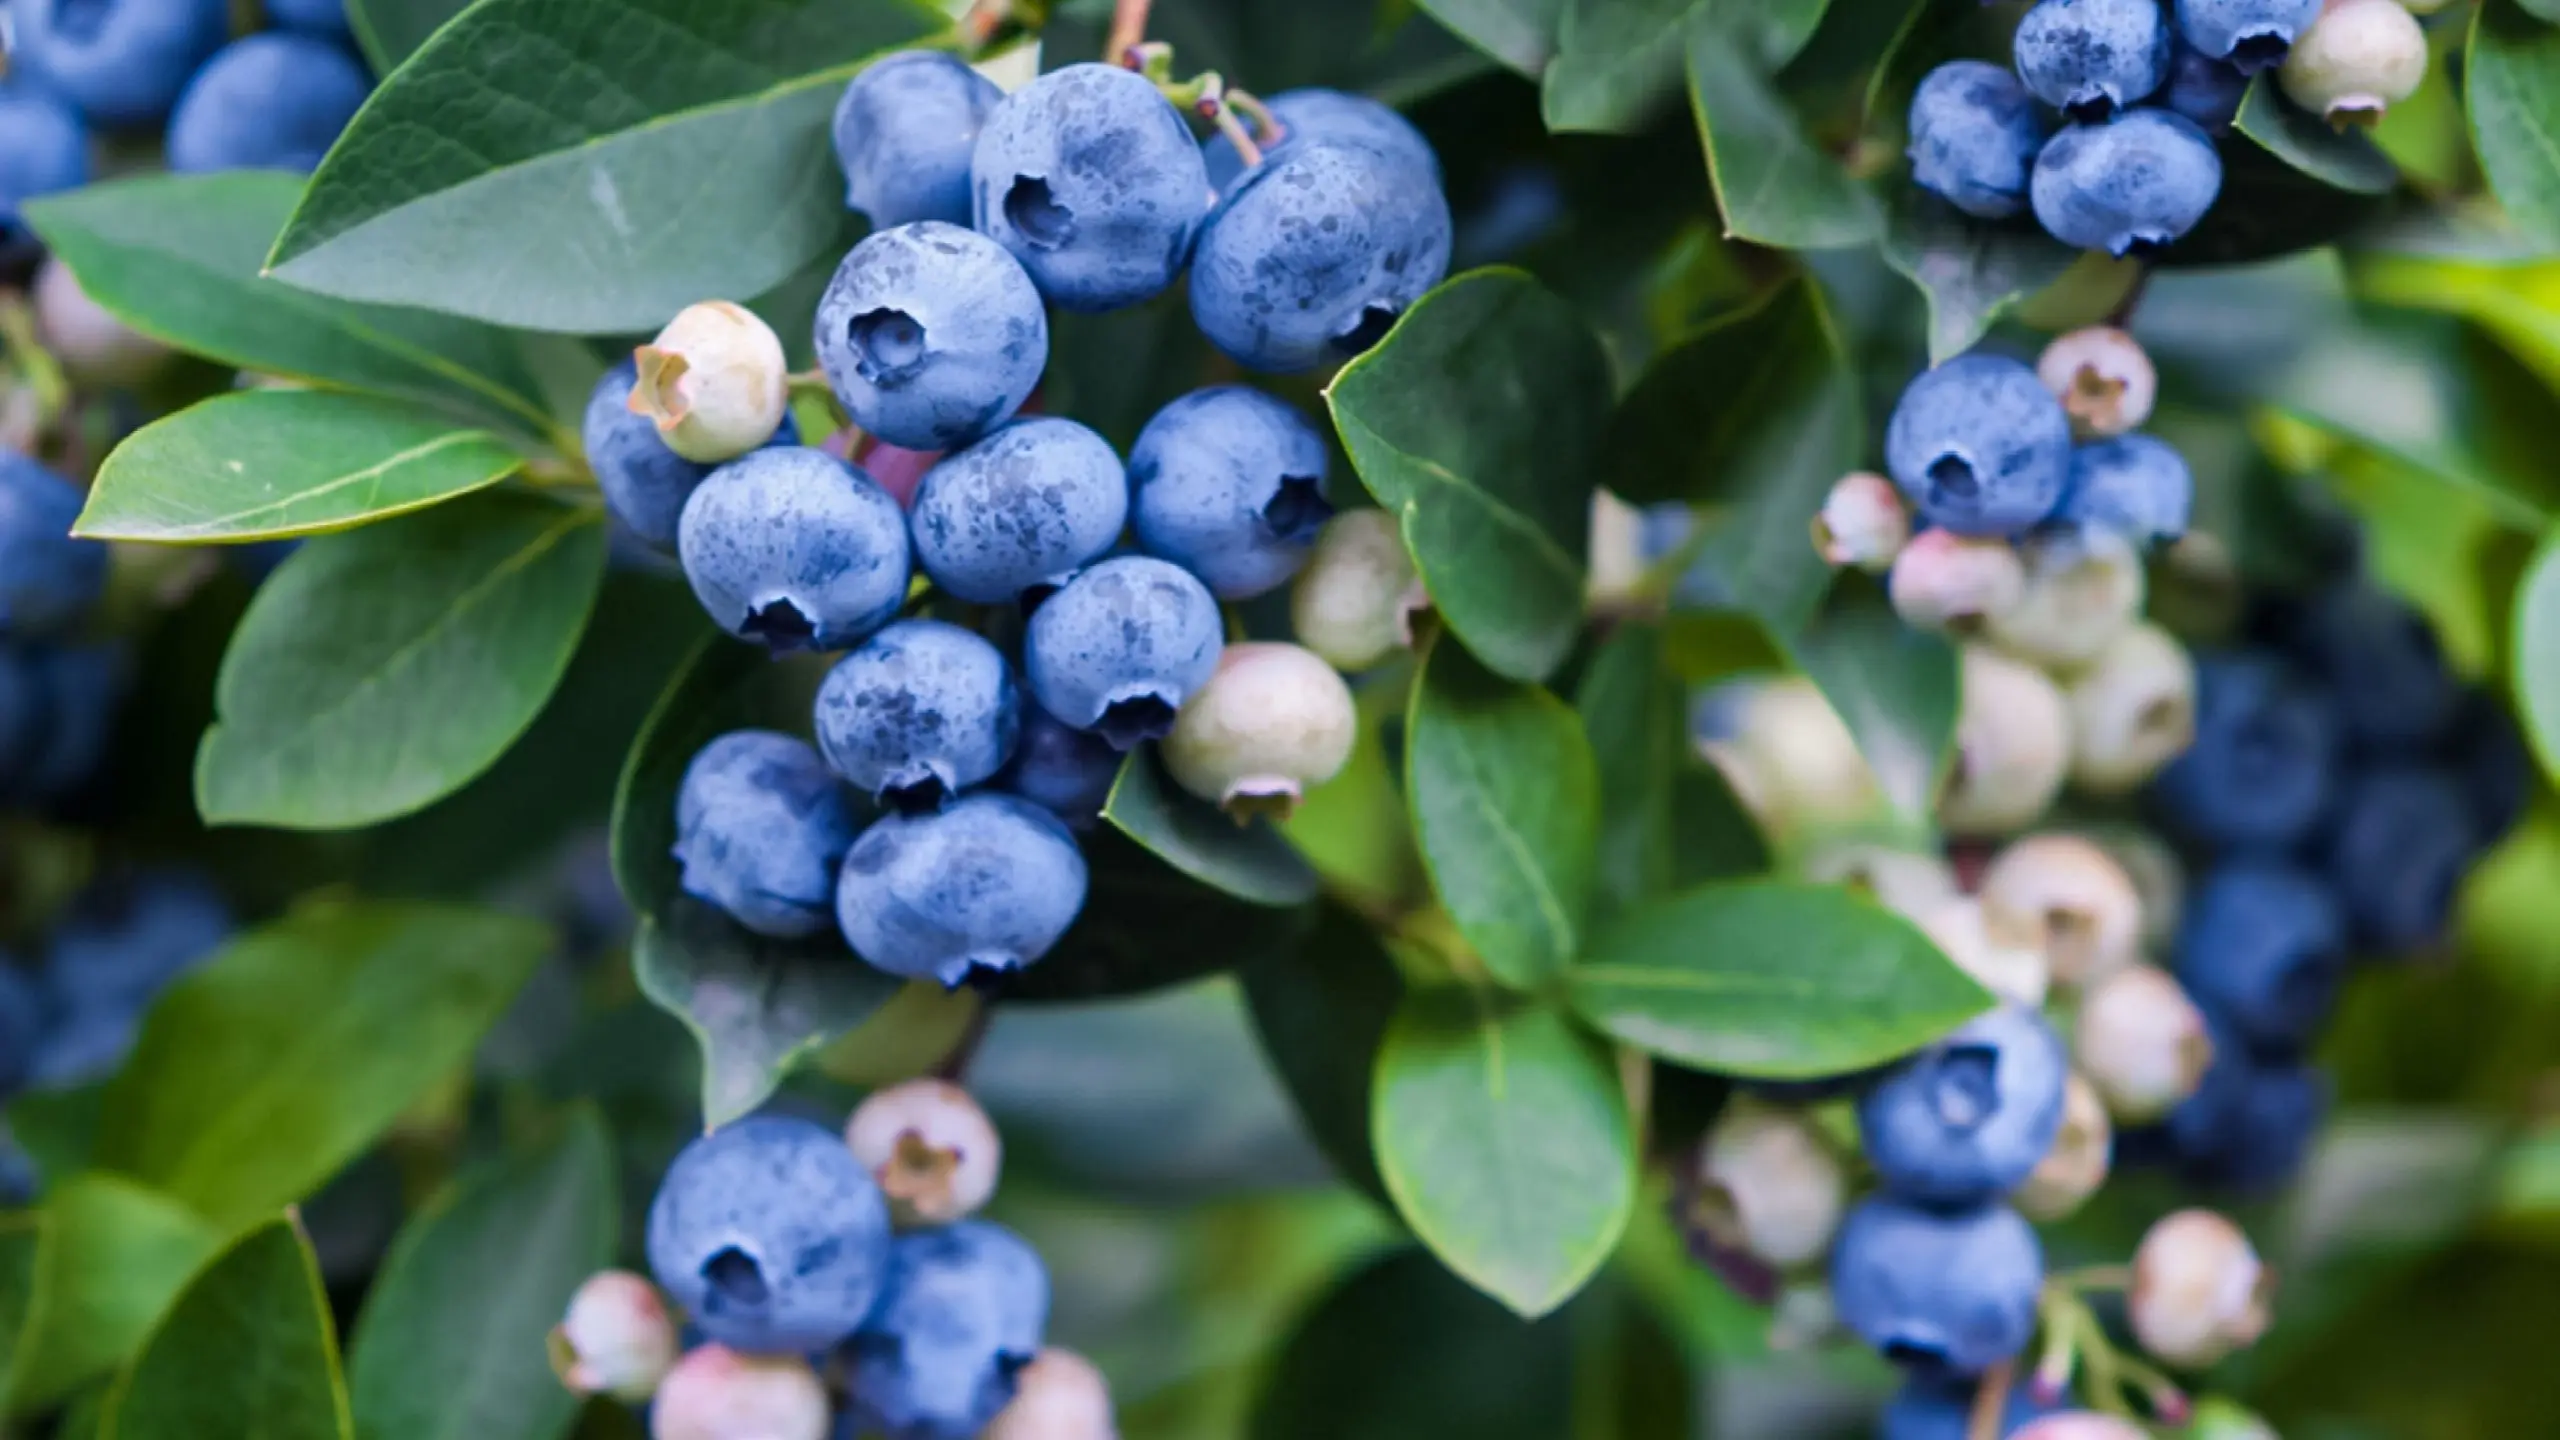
column 2072, row 897
column 1617, row 567
column 2013, row 743
column 2105, row 380
column 2142, row 1042
column 1355, row 601
column 94, row 347
column 1058, row 1396
column 1804, row 761
column 2083, row 588
column 1769, row 1185
column 2133, row 710
column 2006, row 961
column 2080, row 1425
column 1862, row 522
column 714, row 382
column 933, row 1150
column 2159, row 878
column 1946, row 581
column 1272, row 722
column 2357, row 59
column 2076, row 1166
column 715, row 1393
column 1906, row 881
column 617, row 1338
column 2199, row 1292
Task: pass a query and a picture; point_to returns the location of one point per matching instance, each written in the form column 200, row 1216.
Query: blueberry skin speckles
column 904, row 132
column 2205, row 90
column 2252, row 35
column 48, row 580
column 1313, row 256
column 771, row 1236
column 2129, row 186
column 796, row 549
column 43, row 149
column 1063, row 770
column 1317, row 114
column 922, row 711
column 984, row 886
column 1228, row 483
column 1093, row 181
column 2263, row 950
column 645, row 484
column 2091, row 58
column 1952, row 1292
column 931, row 335
column 1975, row 132
column 1980, row 446
column 1967, row 1119
column 121, row 62
column 1026, row 507
column 2135, row 486
column 963, row 1313
column 761, row 826
column 270, row 102
column 2382, row 662
column 2402, row 839
column 2264, row 761
column 1121, row 647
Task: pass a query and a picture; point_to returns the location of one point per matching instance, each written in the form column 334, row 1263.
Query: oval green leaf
column 1773, row 185
column 1321, row 1012
column 1249, row 861
column 248, row 1353
column 2535, row 669
column 380, row 670
column 2512, row 86
column 390, row 31
column 1519, row 33
column 109, row 1257
column 1614, row 61
column 1896, row 688
column 2344, row 159
column 1968, row 271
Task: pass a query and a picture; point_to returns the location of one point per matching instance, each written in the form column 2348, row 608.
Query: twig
column 1128, row 28
column 1990, row 1402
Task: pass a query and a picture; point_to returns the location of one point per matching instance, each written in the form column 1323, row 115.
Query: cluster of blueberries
column 2104, row 125
column 58, row 691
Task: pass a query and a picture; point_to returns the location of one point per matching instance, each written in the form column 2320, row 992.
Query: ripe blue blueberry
column 984, row 886
column 2263, row 949
column 1967, row 1119
column 270, row 102
column 1314, row 255
column 2395, row 694
column 43, row 149
column 761, row 826
column 121, row 62
column 962, row 1315
column 2092, row 58
column 2252, row 35
column 2497, row 770
column 922, row 711
column 795, row 548
column 1980, row 446
column 22, row 715
column 903, row 134
column 2264, row 760
column 78, row 689
column 327, row 18
column 1975, row 132
column 2401, row 840
column 82, row 1047
column 1938, row 1290
column 2129, row 186
column 1936, row 1406
column 771, row 1236
column 2205, row 90
column 1020, row 510
column 931, row 335
column 1092, row 180
column 645, row 484
column 21, row 1021
column 1228, row 483
column 1121, row 646
column 126, row 939
column 2249, row 1126
column 48, row 580
column 1315, row 114
column 2135, row 486
column 1066, row 771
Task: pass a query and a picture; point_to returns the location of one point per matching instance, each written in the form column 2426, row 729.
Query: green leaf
column 1506, row 804
column 1504, row 1137
column 1772, row 978
column 1353, row 828
column 1773, row 186
column 2345, row 159
column 1665, row 819
column 1614, row 61
column 110, row 1255
column 2512, row 85
column 1713, row 834
column 1971, row 272
column 380, row 670
column 1147, row 925
column 1894, row 686
column 265, row 464
column 1249, row 861
column 450, row 1344
column 2534, row 670
column 2515, row 299
column 757, row 1006
column 21, row 1241
column 178, row 258
column 262, row 1072
column 689, row 159
column 1475, row 422
column 1378, row 47
column 1519, row 33
column 247, row 1353
column 1321, row 1012
column 390, row 31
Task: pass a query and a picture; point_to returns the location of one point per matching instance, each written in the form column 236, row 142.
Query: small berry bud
column 1273, row 721
column 2013, row 743
column 1905, row 881
column 2080, row 1425
column 715, row 1393
column 2356, row 61
column 2006, row 961
column 1946, row 581
column 1806, row 763
column 1768, row 1185
column 2072, row 897
column 617, row 1338
column 2083, row 588
column 1862, row 523
column 94, row 346
column 2199, row 1292
column 2076, row 1166
column 2142, row 1042
column 933, row 1150
column 1618, row 561
column 2105, row 381
column 2133, row 710
column 714, row 382
column 1355, row 601
column 1058, row 1396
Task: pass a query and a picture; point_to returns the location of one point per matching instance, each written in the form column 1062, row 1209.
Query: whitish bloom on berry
column 2142, row 1042
column 2199, row 1292
column 931, row 1147
column 1272, row 722
column 714, row 382
column 2357, row 60
column 1355, row 601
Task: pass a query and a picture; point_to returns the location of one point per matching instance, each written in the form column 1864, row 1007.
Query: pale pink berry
column 2358, row 59
column 2080, row 1425
column 1272, row 722
column 94, row 346
column 2013, row 744
column 2076, row 1166
column 714, row 382
column 931, row 1147
column 1769, row 1186
column 715, row 1393
column 898, row 470
column 2106, row 382
column 2076, row 902
column 2199, row 1292
column 1862, row 522
column 1616, row 570
column 1058, row 1396
column 2142, row 1042
column 1946, row 581
column 2083, row 589
column 617, row 1338
column 1355, row 601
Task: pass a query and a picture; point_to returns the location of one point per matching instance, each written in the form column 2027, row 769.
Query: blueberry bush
column 1066, row 719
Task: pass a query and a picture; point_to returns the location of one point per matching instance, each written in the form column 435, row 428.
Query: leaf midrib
column 228, row 524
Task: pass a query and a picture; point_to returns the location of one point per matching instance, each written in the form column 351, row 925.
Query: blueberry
column 2264, row 759
column 760, row 827
column 903, row 134
column 21, row 1021
column 2092, row 58
column 79, row 688
column 2136, row 486
column 1093, row 181
column 2205, row 90
column 127, row 938
column 43, row 149
column 1942, row 1291
column 1228, row 483
column 2252, row 35
column 931, row 335
column 983, row 887
column 2129, row 186
column 122, row 62
column 270, row 102
column 326, row 18
column 1313, row 256
column 82, row 1047
column 2394, row 691
column 2263, row 949
column 2403, row 837
column 1311, row 115
column 932, row 1148
column 1935, row 1406
column 795, row 548
column 1021, row 510
column 48, row 580
column 2249, row 1126
column 1967, row 1118
column 1068, row 772
column 962, row 1315
column 1980, row 446
column 922, row 711
column 1974, row 135
column 2497, row 770
column 645, row 484
column 1122, row 646
column 770, row 1235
